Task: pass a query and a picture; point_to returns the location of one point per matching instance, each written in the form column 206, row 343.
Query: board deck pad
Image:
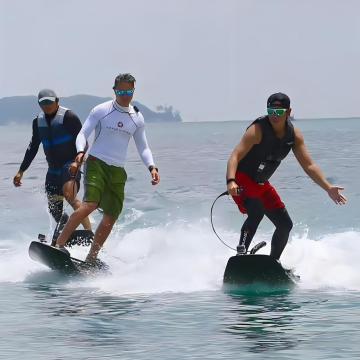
column 250, row 269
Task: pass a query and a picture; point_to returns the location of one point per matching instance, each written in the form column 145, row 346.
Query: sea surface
column 164, row 297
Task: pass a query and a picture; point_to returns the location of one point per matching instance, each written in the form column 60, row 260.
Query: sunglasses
column 276, row 112
column 46, row 102
column 124, row 92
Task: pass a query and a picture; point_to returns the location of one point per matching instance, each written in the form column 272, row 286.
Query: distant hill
column 22, row 109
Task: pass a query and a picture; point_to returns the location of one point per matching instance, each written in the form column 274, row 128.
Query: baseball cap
column 278, row 99
column 47, row 96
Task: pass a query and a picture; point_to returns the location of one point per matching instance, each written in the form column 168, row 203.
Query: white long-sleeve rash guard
column 114, row 126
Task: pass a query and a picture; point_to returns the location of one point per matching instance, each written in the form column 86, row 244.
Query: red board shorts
column 266, row 193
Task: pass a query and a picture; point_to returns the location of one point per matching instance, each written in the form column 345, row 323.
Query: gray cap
column 47, row 96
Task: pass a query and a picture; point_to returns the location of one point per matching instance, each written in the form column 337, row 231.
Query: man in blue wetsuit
column 266, row 142
column 56, row 128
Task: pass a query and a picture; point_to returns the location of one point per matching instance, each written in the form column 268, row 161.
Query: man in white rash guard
column 115, row 122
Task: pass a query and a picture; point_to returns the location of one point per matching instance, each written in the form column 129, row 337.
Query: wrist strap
column 228, row 181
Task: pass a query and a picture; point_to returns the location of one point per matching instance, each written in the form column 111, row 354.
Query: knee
column 286, row 225
column 70, row 196
column 281, row 219
column 85, row 209
column 253, row 221
column 108, row 221
column 73, row 201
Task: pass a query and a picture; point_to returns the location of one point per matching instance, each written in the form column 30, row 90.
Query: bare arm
column 313, row 170
column 251, row 137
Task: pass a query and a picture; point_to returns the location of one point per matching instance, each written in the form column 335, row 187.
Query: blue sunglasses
column 124, row 92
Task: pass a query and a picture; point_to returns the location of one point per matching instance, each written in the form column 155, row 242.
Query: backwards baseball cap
column 278, row 99
column 47, row 96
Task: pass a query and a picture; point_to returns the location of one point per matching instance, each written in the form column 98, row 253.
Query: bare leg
column 74, row 221
column 101, row 234
column 70, row 190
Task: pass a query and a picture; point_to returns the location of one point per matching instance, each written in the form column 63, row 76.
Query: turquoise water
column 164, row 298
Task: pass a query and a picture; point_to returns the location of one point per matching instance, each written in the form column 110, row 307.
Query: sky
column 212, row 60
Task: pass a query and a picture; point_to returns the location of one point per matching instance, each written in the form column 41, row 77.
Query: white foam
column 178, row 257
column 329, row 262
column 15, row 263
column 186, row 257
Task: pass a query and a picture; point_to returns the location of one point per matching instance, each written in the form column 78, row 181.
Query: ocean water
column 164, row 297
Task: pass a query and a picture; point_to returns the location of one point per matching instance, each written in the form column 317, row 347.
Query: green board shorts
column 104, row 184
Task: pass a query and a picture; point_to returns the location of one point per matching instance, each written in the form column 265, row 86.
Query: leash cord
column 211, row 219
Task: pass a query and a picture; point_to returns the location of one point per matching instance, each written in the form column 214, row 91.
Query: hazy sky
column 210, row 59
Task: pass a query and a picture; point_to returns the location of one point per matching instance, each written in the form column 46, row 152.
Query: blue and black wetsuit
column 57, row 133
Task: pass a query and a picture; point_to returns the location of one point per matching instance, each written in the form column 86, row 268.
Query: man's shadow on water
column 263, row 322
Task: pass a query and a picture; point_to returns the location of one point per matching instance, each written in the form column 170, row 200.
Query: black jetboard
column 54, row 258
column 253, row 269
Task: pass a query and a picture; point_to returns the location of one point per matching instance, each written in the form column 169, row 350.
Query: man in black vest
column 266, row 142
column 56, row 128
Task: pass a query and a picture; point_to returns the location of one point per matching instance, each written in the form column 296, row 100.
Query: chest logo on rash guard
column 120, row 126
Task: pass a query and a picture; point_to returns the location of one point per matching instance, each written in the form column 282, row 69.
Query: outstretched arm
column 251, row 137
column 313, row 171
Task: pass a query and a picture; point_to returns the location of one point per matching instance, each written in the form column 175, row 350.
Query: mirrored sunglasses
column 276, row 112
column 124, row 92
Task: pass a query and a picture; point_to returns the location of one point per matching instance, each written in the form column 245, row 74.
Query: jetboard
column 54, row 258
column 251, row 269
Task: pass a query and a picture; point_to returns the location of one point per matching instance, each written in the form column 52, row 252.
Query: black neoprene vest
column 264, row 158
